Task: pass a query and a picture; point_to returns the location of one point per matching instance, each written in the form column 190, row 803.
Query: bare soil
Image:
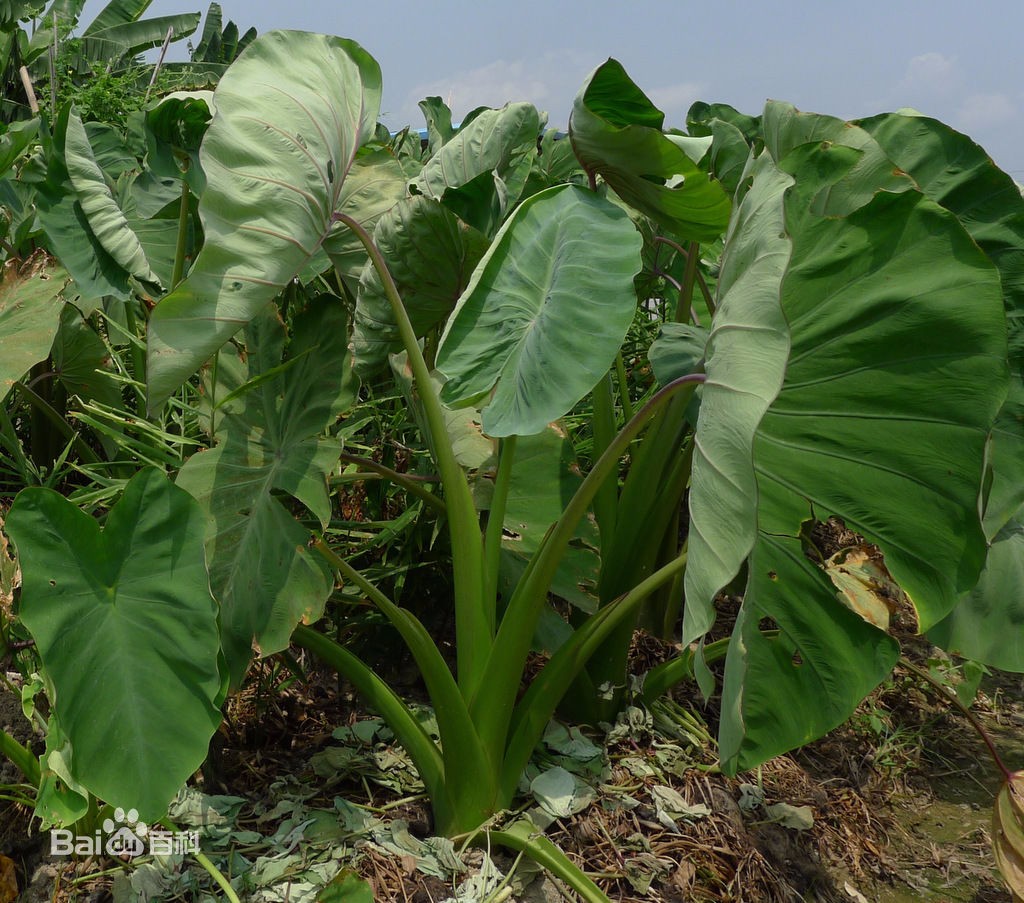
column 900, row 798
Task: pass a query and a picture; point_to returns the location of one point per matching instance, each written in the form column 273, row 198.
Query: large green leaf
column 68, row 229
column 129, row 39
column 616, row 133
column 291, row 113
column 496, row 141
column 431, row 255
column 545, row 312
column 375, row 183
column 786, row 127
column 896, row 371
column 952, row 170
column 264, row 577
column 105, row 217
column 30, row 306
column 988, row 624
column 116, row 12
column 745, row 359
column 127, row 632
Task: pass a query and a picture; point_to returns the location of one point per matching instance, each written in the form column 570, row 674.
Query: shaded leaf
column 270, row 442
column 678, row 350
column 30, row 307
column 431, row 255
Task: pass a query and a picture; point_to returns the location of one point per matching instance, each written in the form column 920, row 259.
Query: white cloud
column 984, row 110
column 932, row 74
column 675, row 100
column 550, row 82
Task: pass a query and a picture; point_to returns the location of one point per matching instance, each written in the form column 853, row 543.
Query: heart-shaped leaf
column 291, row 113
column 127, row 632
column 540, row 318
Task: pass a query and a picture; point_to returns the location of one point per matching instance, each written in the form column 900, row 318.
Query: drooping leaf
column 431, row 255
column 127, row 631
column 539, row 319
column 30, row 306
column 96, row 273
column 128, row 39
column 275, row 156
column 616, row 133
column 894, row 449
column 745, row 360
column 105, row 217
column 270, row 430
column 495, row 141
column 117, row 12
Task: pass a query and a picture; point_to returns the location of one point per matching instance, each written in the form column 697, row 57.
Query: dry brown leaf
column 865, row 585
column 1008, row 833
column 8, row 880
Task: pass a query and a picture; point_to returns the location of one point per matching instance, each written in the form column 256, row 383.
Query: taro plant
column 851, row 366
column 846, row 303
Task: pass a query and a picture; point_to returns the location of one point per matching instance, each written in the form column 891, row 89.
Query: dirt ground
column 894, row 806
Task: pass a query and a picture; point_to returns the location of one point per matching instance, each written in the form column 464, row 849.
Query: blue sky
column 962, row 64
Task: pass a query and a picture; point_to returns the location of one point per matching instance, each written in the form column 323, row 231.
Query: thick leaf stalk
column 473, row 617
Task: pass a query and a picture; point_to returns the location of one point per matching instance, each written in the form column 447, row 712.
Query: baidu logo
column 123, row 837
